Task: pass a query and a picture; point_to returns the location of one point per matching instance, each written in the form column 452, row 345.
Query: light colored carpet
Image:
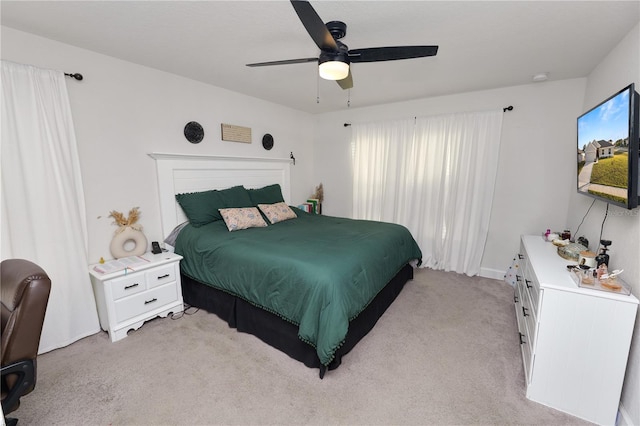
column 446, row 352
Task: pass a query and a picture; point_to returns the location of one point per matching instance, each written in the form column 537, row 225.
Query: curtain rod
column 77, row 76
column 505, row 109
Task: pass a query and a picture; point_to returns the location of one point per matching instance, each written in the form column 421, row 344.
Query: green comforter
column 318, row 272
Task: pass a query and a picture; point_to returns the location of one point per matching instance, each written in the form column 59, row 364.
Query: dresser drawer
column 528, row 315
column 128, row 285
column 526, row 345
column 147, row 301
column 532, row 286
column 161, row 275
column 517, row 299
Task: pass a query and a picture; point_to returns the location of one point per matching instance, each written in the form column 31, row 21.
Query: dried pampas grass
column 122, row 222
column 319, row 194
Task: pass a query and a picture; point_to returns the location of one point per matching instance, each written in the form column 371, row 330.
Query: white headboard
column 179, row 173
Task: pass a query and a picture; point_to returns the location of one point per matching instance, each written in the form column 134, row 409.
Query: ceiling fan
column 335, row 56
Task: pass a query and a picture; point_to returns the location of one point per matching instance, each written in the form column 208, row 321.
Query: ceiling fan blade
column 394, row 53
column 314, row 25
column 284, row 62
column 347, row 82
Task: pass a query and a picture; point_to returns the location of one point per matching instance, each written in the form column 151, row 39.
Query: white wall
column 620, row 68
column 535, row 175
column 123, row 111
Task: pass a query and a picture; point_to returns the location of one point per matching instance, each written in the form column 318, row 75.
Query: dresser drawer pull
column 518, row 278
column 522, row 342
column 163, row 276
column 146, row 302
column 515, row 298
column 524, row 312
column 520, row 256
column 527, row 282
column 127, row 287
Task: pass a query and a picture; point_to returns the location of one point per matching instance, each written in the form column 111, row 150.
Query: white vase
column 122, row 241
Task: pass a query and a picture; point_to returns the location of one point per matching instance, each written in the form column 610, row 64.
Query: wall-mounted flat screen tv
column 608, row 142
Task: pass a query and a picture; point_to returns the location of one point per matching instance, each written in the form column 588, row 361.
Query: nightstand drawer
column 128, row 285
column 162, row 275
column 145, row 302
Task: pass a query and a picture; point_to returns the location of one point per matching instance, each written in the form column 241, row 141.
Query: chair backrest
column 24, row 293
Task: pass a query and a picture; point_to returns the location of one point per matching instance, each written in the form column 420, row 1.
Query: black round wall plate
column 194, row 132
column 267, row 141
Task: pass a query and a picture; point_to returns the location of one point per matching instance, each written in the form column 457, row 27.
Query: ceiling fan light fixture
column 333, row 69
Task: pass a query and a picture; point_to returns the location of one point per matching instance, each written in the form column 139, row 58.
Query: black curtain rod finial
column 77, row 76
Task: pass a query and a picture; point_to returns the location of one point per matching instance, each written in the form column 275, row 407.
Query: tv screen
column 608, row 150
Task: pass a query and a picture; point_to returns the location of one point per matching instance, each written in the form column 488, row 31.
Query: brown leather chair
column 24, row 293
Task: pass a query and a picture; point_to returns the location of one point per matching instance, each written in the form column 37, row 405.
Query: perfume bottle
column 603, row 257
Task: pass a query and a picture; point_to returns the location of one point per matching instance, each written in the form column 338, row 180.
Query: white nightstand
column 126, row 299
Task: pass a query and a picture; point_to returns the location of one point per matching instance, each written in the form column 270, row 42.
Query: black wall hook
column 293, row 158
column 77, row 76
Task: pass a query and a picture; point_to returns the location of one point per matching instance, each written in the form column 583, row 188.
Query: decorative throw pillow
column 202, row 207
column 242, row 218
column 236, row 196
column 277, row 212
column 173, row 236
column 269, row 194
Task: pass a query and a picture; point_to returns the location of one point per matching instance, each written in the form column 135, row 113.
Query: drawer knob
column 146, row 302
column 163, row 276
column 127, row 287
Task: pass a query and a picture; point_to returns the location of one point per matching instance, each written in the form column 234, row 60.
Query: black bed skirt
column 282, row 334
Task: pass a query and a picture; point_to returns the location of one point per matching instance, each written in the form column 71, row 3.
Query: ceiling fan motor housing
column 341, row 56
column 338, row 29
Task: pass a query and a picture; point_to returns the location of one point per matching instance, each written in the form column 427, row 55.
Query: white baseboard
column 496, row 274
column 624, row 419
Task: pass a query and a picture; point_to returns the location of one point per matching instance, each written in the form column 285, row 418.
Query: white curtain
column 43, row 211
column 434, row 175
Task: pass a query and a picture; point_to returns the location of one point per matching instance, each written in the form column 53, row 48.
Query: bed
column 309, row 285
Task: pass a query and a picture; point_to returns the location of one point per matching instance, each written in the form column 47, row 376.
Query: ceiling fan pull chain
column 317, row 88
column 349, row 99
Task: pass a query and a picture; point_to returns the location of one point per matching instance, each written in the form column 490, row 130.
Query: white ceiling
column 483, row 44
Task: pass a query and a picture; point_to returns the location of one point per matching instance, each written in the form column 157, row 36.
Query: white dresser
column 575, row 341
column 126, row 299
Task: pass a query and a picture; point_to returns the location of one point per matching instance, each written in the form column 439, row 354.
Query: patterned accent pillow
column 242, row 218
column 277, row 212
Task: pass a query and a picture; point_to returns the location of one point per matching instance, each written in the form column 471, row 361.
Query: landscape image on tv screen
column 603, row 149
